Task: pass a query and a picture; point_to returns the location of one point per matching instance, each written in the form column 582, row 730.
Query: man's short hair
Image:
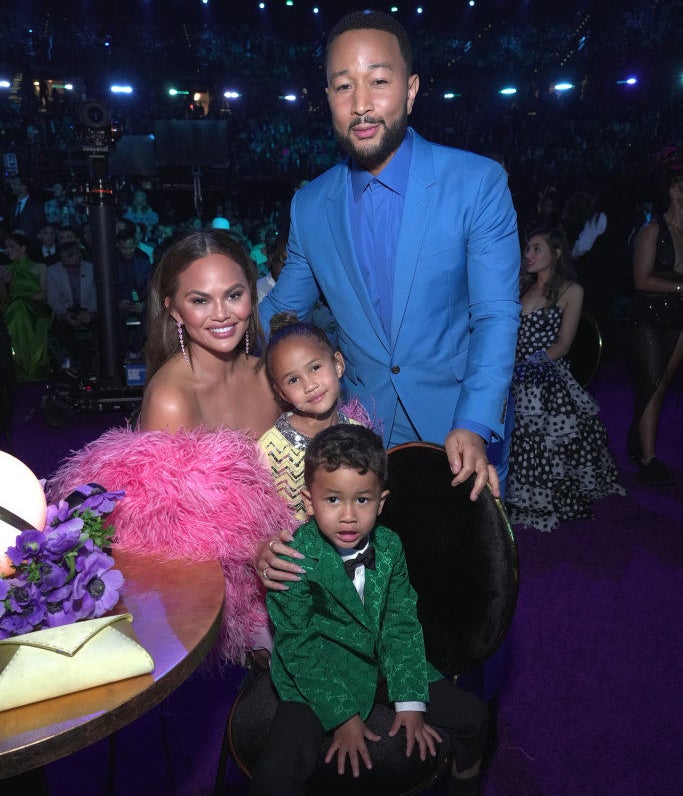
column 70, row 247
column 373, row 20
column 125, row 234
column 344, row 445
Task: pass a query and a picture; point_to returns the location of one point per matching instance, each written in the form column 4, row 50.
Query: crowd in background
column 570, row 156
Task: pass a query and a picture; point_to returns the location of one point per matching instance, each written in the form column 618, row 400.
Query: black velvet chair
column 462, row 560
column 585, row 352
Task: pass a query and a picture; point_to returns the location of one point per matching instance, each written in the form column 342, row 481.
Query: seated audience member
column 61, row 210
column 559, row 459
column 26, row 313
column 27, row 215
column 72, row 297
column 48, row 244
column 347, row 634
column 70, row 235
column 133, row 268
column 139, row 211
column 277, row 255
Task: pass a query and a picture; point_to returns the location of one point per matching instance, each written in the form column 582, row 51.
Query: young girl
column 305, row 373
column 559, row 461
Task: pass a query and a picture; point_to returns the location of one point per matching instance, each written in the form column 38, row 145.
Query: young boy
column 350, row 623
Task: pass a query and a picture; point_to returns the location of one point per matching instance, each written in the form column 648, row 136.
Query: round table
column 177, row 608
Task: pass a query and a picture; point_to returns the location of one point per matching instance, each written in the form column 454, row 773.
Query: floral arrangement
column 64, row 574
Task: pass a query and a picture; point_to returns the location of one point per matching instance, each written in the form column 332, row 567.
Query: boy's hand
column 349, row 739
column 416, row 731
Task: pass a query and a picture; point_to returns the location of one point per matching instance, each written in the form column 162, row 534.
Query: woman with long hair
column 559, row 461
column 203, row 334
column 197, row 484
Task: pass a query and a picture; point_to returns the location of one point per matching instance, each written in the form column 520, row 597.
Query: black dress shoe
column 655, row 474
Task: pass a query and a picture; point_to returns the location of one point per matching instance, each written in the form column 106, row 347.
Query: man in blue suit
column 414, row 247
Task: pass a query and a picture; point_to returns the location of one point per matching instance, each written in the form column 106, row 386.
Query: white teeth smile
column 222, row 330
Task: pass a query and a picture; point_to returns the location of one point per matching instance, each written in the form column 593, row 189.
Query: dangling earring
column 179, row 326
column 246, row 342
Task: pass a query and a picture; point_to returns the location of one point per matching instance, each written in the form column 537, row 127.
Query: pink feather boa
column 198, row 494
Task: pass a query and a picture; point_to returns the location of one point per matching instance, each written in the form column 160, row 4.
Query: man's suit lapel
column 339, row 227
column 417, row 209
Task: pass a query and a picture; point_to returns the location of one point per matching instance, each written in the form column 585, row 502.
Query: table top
column 177, row 608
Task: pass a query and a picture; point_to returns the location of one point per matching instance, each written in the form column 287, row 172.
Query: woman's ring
column 265, row 573
column 270, row 544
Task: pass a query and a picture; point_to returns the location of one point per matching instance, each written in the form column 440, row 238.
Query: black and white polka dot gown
column 559, row 460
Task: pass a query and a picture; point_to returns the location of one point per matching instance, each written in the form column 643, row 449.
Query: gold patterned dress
column 285, row 448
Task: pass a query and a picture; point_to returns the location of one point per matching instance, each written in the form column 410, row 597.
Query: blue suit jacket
column 456, row 300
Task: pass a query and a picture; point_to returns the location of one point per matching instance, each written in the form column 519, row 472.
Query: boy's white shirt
column 359, row 583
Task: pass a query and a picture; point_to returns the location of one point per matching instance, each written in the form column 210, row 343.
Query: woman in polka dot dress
column 559, row 461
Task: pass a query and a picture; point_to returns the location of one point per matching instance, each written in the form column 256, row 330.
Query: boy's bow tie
column 366, row 558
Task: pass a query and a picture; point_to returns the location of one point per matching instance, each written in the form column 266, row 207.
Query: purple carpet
column 591, row 702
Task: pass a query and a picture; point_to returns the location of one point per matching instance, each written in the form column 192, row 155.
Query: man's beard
column 371, row 156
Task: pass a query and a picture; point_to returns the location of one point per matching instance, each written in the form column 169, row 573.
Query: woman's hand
column 274, row 571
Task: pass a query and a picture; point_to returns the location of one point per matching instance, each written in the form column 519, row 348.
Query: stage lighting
column 508, row 90
column 289, row 97
column 629, row 81
column 231, row 94
column 5, row 84
column 449, row 95
column 121, row 89
column 563, row 86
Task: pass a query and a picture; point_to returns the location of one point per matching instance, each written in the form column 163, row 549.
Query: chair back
column 586, row 349
column 461, row 554
column 462, row 560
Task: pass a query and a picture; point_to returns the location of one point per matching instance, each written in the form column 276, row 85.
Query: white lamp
column 22, row 504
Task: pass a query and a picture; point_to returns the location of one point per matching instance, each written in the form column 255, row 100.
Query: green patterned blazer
column 330, row 646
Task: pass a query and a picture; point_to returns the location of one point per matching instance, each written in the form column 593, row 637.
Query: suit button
column 395, row 369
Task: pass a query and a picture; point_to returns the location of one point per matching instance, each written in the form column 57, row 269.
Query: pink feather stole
column 198, row 494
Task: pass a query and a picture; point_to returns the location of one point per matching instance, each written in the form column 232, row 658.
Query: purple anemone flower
column 53, row 576
column 102, row 502
column 57, row 513
column 97, row 585
column 26, row 607
column 63, row 538
column 59, row 608
column 28, row 547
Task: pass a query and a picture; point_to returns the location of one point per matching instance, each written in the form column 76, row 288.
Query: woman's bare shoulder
column 570, row 293
column 168, row 403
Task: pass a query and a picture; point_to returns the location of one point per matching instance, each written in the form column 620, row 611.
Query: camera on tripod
column 97, row 130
